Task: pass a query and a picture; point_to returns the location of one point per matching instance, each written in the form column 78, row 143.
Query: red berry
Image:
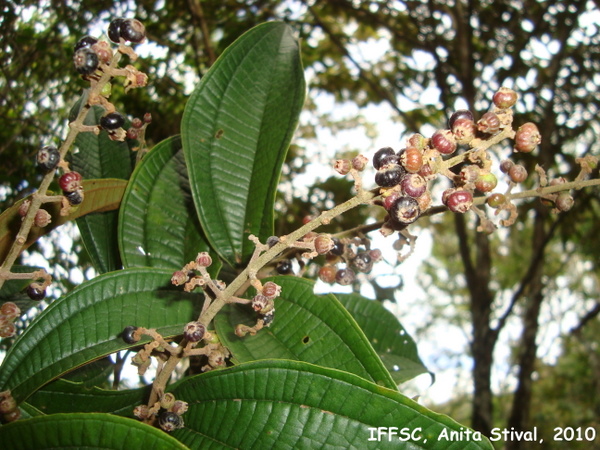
column 42, row 218
column 327, row 274
column 517, row 173
column 459, row 201
column 444, row 142
column 179, row 277
column 413, row 185
column 411, row 159
column 10, row 310
column 7, row 329
column 390, row 198
column 486, row 182
column 405, row 210
column 489, row 123
column 203, row 259
column 426, row 172
column 70, row 181
column 504, row 98
column 528, row 137
column 464, row 130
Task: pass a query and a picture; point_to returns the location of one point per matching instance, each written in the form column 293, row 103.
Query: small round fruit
column 85, row 61
column 194, row 331
column 376, row 255
column 169, row 421
column 504, row 98
column 486, row 182
column 411, row 159
column 85, row 42
column 338, row 247
column 284, row 267
column 413, row 185
column 267, row 318
column 10, row 310
column 460, row 114
column 517, row 173
column 382, row 156
column 35, row 293
column 262, row 304
column 7, row 405
column 464, row 130
column 128, row 335
column 489, row 123
column 7, row 329
column 323, row 244
column 359, row 162
column 444, row 142
column 48, row 157
column 405, row 211
column 345, row 277
column 363, row 262
column 272, row 241
column 389, row 175
column 203, row 259
column 342, row 166
column 327, row 274
column 564, row 201
column 417, row 140
column 114, row 30
column 75, row 198
column 528, row 137
column 70, row 181
column 112, row 121
column 506, row 165
column 496, row 200
column 271, row 290
column 459, row 201
column 133, row 30
column 42, row 218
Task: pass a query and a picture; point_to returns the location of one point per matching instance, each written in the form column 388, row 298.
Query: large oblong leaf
column 290, row 404
column 393, row 344
column 85, row 325
column 158, row 226
column 236, row 129
column 88, row 431
column 307, row 327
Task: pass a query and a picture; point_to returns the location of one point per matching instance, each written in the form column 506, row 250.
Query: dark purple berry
column 389, row 175
column 460, row 114
column 413, row 185
column 48, row 157
column 405, row 210
column 75, row 198
column 133, row 30
column 112, row 121
column 345, row 276
column 464, row 130
column 381, row 156
column 128, row 336
column 267, row 318
column 169, row 421
column 338, row 247
column 284, row 267
column 85, row 42
column 363, row 262
column 35, row 293
column 114, row 30
column 272, row 240
column 194, row 331
column 85, row 61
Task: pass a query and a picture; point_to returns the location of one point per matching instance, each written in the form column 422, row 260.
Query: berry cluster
column 354, row 255
column 9, row 312
column 167, row 412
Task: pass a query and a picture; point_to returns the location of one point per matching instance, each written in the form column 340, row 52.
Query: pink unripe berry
column 517, row 173
column 459, row 201
column 504, row 98
column 413, row 185
column 323, row 244
column 203, row 259
column 528, row 137
column 359, row 162
column 271, row 290
column 10, row 310
column 444, row 142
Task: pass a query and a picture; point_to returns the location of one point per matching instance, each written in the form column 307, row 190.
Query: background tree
column 460, row 53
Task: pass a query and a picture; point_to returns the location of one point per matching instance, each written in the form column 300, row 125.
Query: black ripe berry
column 48, row 157
column 85, row 42
column 114, row 30
column 75, row 198
column 112, row 121
column 35, row 293
column 128, row 335
column 267, row 318
column 338, row 247
column 284, row 267
column 389, row 176
column 382, row 156
column 85, row 61
column 345, row 276
column 133, row 30
column 169, row 421
column 194, row 331
column 405, row 210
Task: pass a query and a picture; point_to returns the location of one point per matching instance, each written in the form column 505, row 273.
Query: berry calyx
column 86, row 61
column 133, row 30
column 48, row 158
column 112, row 121
column 528, row 137
column 34, row 292
column 405, row 210
column 194, row 331
column 459, row 201
column 70, row 181
column 169, row 421
column 128, row 335
column 382, row 156
column 504, row 98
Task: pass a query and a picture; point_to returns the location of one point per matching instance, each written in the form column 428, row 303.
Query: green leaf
column 290, row 404
column 236, row 130
column 101, row 157
column 388, row 337
column 85, row 325
column 88, row 431
column 158, row 226
column 62, row 396
column 100, row 195
column 307, row 327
